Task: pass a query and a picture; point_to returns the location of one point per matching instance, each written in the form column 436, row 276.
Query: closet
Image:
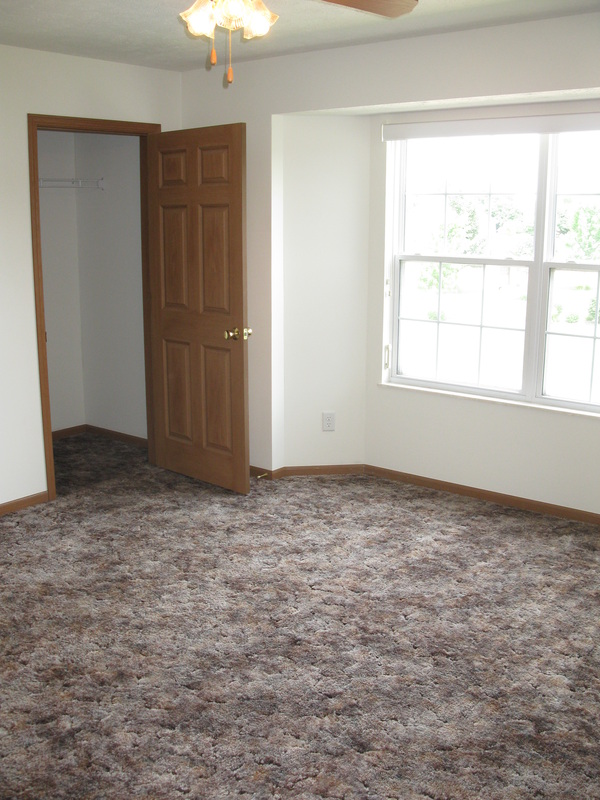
column 92, row 275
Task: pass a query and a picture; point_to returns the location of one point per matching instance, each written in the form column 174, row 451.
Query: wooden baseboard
column 259, row 472
column 23, row 502
column 508, row 500
column 331, row 469
column 77, row 430
column 80, row 429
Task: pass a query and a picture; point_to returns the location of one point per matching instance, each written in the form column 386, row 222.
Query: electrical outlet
column 328, row 420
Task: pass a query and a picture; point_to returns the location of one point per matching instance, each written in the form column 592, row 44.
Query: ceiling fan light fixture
column 260, row 22
column 205, row 15
column 200, row 19
column 231, row 14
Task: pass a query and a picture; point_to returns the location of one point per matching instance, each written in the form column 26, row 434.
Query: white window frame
column 540, row 119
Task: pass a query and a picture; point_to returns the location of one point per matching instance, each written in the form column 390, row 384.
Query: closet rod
column 71, row 183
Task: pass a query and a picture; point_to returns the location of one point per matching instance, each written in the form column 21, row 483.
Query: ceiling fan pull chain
column 230, row 70
column 213, row 52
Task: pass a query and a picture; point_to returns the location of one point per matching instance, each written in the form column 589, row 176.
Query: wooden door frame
column 41, row 122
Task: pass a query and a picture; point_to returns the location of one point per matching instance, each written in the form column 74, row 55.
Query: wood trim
column 147, row 297
column 508, row 500
column 40, row 319
column 23, row 502
column 331, row 469
column 259, row 472
column 35, row 123
column 138, row 441
column 78, row 430
column 115, row 127
column 64, row 433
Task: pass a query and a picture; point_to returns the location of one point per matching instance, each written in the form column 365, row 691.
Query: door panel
column 215, row 258
column 216, row 390
column 178, row 387
column 198, row 291
column 173, row 256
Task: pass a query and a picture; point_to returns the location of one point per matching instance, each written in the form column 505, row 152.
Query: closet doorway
column 89, row 211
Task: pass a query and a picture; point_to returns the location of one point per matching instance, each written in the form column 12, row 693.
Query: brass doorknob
column 234, row 334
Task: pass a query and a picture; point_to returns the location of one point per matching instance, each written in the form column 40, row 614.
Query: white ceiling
column 149, row 33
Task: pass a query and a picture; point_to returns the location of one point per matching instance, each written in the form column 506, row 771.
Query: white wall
column 110, row 263
column 45, row 83
column 496, row 447
column 58, row 223
column 93, row 301
column 325, row 251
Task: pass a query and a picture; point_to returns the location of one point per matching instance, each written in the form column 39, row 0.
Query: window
column 496, row 265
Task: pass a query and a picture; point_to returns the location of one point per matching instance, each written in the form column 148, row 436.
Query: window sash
column 539, row 271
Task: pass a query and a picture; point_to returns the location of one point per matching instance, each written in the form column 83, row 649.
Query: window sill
column 505, row 401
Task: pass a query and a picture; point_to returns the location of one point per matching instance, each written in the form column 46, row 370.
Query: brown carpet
column 340, row 637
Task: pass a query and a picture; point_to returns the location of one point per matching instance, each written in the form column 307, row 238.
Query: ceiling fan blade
column 385, row 8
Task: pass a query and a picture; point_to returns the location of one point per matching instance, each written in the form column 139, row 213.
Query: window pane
column 426, row 166
column 458, row 357
column 596, row 381
column 461, row 295
column 471, row 196
column 505, row 296
column 578, row 163
column 572, row 305
column 577, row 224
column 425, row 224
column 417, row 349
column 419, row 290
column 502, row 359
column 512, row 226
column 466, row 225
column 567, row 368
column 577, row 236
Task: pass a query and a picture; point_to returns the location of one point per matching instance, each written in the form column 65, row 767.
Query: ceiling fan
column 385, row 8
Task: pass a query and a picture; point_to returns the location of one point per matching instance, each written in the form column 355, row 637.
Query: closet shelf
column 71, row 183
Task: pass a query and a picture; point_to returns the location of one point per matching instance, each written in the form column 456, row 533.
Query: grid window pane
column 572, row 303
column 505, row 296
column 568, row 367
column 471, row 329
column 596, row 377
column 419, row 296
column 466, row 224
column 512, row 226
column 425, row 224
column 471, row 196
column 577, row 222
column 458, row 356
column 502, row 359
column 417, row 350
column 577, row 232
column 461, row 295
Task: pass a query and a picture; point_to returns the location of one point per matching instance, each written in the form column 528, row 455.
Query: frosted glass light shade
column 232, row 14
column 251, row 15
column 260, row 21
column 200, row 18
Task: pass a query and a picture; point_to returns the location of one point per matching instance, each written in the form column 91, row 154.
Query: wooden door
column 197, row 284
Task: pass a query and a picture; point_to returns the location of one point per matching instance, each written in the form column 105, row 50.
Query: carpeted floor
column 340, row 637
